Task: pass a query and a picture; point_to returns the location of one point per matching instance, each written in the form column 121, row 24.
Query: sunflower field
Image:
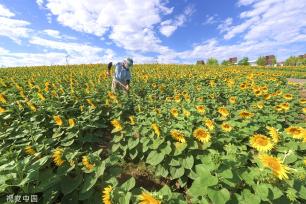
column 183, row 134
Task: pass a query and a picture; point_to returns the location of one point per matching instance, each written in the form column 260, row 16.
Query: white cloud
column 168, row 27
column 245, row 2
column 225, row 25
column 12, row 28
column 277, row 20
column 210, row 19
column 71, row 48
column 5, row 12
column 131, row 23
column 40, row 2
column 53, row 33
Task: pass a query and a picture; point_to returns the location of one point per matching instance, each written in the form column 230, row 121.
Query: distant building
column 302, row 56
column 270, row 59
column 233, row 60
column 200, row 62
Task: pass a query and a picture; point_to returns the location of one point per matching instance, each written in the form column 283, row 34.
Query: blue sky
column 44, row 32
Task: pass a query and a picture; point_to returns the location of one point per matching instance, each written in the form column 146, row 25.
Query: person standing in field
column 122, row 76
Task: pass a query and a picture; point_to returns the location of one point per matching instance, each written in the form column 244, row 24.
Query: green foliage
column 244, row 61
column 212, row 61
column 261, row 61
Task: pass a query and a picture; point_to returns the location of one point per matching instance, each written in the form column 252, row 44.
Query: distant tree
column 225, row 62
column 291, row 61
column 244, row 61
column 274, row 61
column 261, row 61
column 212, row 61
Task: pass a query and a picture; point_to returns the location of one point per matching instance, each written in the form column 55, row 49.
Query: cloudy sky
column 46, row 32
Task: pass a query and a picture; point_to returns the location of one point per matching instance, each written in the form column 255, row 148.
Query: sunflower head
column 86, row 163
column 260, row 105
column 2, row 110
column 202, row 135
column 232, row 99
column 285, row 106
column 155, row 128
column 226, row 127
column 71, row 122
column 2, row 98
column 178, row 136
column 275, row 165
column 245, row 114
column 209, row 124
column 296, row 132
column 186, row 113
column 223, row 111
column 58, row 121
column 261, row 143
column 106, row 195
column 29, row 150
column 288, row 96
column 174, row 112
column 274, row 134
column 200, row 109
column 303, row 101
column 132, row 120
column 57, row 157
column 117, row 125
column 177, row 98
column 147, row 198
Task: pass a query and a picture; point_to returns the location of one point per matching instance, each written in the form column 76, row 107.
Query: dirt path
column 302, row 82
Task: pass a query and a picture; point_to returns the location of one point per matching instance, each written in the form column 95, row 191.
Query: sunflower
column 58, row 120
column 302, row 101
column 112, row 96
column 2, row 110
column 168, row 99
column 246, row 114
column 92, row 106
column 29, row 150
column 147, row 198
column 273, row 163
column 71, row 122
column 202, row 135
column 32, row 107
column 288, row 96
column 260, row 105
column 274, row 134
column 209, row 124
column 178, row 136
column 2, row 98
column 226, row 127
column 177, row 98
column 232, row 99
column 257, row 92
column 155, row 127
column 117, row 125
column 57, row 157
column 223, row 111
column 279, row 92
column 200, row 99
column 174, row 112
column 261, row 143
column 264, row 89
column 267, row 96
column 278, row 108
column 187, row 98
column 200, row 109
column 186, row 113
column 296, row 132
column 86, row 163
column 304, row 110
column 132, row 119
column 41, row 96
column 243, row 86
column 106, row 197
column 285, row 106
